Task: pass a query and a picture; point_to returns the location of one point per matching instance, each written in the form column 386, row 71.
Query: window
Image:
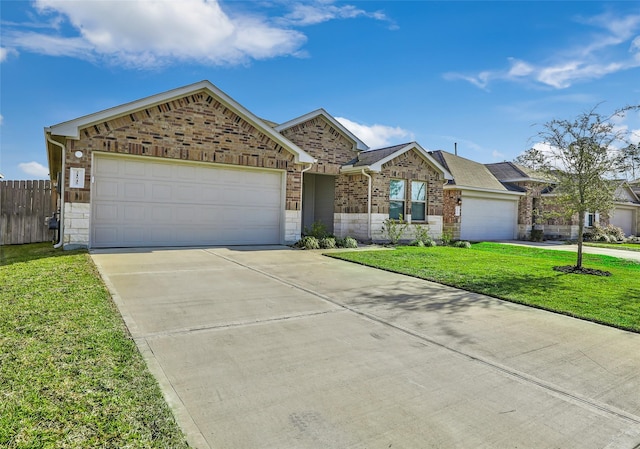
column 418, row 200
column 396, row 198
column 591, row 219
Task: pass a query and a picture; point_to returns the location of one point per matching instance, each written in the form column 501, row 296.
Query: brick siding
column 193, row 128
column 324, row 142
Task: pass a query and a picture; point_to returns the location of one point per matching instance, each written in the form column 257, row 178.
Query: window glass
column 396, row 199
column 418, row 200
column 417, row 212
column 418, row 191
column 396, row 189
column 396, row 209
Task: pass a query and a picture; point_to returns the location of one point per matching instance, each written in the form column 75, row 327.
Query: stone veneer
column 76, row 225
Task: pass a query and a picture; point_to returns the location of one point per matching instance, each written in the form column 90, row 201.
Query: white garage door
column 488, row 219
column 624, row 219
column 141, row 202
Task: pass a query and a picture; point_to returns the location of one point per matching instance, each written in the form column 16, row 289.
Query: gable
column 324, row 142
column 195, row 127
column 624, row 194
column 177, row 99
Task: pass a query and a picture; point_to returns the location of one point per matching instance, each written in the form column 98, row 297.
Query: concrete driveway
column 278, row 348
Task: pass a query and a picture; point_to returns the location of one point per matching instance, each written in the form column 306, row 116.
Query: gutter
column 368, row 204
column 63, row 149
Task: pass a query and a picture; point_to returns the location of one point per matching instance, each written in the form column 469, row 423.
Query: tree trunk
column 580, row 232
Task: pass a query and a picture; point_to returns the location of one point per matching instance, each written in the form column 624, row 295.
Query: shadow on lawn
column 10, row 254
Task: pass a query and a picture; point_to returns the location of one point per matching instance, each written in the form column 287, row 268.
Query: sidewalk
column 561, row 246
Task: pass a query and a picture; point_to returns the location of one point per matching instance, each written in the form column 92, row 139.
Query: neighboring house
column 518, row 178
column 533, row 210
column 191, row 166
column 477, row 206
column 626, row 213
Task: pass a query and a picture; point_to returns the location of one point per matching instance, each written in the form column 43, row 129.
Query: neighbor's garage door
column 143, row 202
column 488, row 219
column 624, row 219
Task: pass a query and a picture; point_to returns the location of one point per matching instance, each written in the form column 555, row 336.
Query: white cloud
column 155, row 33
column 34, row 168
column 6, row 52
column 377, row 136
column 1, row 119
column 313, row 13
column 613, row 48
column 495, row 154
column 150, row 33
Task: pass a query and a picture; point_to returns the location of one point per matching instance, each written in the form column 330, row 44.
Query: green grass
column 623, row 246
column 523, row 275
column 70, row 376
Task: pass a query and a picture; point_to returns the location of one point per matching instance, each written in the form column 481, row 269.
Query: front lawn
column 523, row 275
column 70, row 376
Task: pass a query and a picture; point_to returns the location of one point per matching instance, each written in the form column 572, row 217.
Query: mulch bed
column 571, row 269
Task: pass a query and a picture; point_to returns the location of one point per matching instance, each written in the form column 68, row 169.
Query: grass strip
column 70, row 376
column 524, row 275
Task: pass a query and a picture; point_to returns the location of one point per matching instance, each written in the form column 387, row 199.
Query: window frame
column 422, row 202
column 402, row 199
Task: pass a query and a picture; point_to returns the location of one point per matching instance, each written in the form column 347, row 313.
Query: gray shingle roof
column 505, row 171
column 370, row 157
column 467, row 173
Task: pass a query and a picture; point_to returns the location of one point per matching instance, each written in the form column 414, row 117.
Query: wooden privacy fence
column 24, row 206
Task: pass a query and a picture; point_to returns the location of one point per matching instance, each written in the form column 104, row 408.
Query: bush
column 609, row 233
column 446, row 238
column 308, row 242
column 349, row 242
column 419, row 243
column 394, row 229
column 421, row 233
column 327, row 243
column 462, row 244
column 317, row 230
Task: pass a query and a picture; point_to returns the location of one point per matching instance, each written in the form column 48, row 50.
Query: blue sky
column 482, row 74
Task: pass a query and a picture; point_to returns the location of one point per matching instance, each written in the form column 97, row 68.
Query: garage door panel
column 488, row 219
column 623, row 218
column 171, row 204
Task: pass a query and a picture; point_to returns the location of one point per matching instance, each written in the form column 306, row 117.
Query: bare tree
column 583, row 157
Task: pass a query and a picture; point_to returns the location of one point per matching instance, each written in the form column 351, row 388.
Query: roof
column 468, row 173
column 71, row 129
column 373, row 160
column 359, row 144
column 512, row 172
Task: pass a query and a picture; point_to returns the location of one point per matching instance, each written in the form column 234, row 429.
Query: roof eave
column 481, row 189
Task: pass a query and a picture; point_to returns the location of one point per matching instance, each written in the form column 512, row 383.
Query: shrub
column 327, row 243
column 317, row 230
column 609, row 233
column 419, row 243
column 446, row 238
column 462, row 244
column 431, row 243
column 393, row 229
column 421, row 233
column 349, row 242
column 308, row 242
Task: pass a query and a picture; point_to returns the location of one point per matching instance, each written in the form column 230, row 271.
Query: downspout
column 368, row 204
column 62, row 180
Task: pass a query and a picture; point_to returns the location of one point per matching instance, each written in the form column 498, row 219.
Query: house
column 191, row 166
column 626, row 213
column 477, row 206
column 533, row 209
